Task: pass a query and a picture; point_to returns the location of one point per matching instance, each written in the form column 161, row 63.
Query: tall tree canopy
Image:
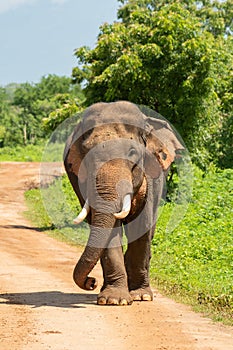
column 174, row 56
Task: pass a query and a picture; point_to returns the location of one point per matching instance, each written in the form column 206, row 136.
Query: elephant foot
column 114, row 296
column 142, row 294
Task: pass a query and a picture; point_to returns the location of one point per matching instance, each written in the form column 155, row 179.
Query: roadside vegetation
column 53, row 209
column 195, row 261
column 29, row 153
column 175, row 57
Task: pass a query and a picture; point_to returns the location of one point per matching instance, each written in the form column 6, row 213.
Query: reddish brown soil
column 41, row 308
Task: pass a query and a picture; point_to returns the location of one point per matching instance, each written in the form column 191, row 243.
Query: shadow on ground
column 23, row 227
column 50, row 298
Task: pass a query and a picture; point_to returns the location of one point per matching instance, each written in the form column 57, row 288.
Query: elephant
column 117, row 160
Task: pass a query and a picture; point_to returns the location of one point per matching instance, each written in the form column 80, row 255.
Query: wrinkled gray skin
column 114, row 151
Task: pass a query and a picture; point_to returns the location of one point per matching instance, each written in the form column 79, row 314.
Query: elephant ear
column 163, row 143
column 73, row 157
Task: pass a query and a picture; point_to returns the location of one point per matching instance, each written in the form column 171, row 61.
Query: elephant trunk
column 109, row 199
column 84, row 266
column 102, row 230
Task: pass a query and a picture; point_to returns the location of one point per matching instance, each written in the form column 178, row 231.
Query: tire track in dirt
column 41, row 308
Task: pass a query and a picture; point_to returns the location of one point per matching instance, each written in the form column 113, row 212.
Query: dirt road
column 41, row 308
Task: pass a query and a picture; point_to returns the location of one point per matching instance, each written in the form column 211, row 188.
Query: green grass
column 53, row 209
column 193, row 263
column 29, row 153
column 45, row 152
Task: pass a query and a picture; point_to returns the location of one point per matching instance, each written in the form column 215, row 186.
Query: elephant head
column 111, row 157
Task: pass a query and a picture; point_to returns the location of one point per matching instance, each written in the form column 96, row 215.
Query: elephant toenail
column 123, row 302
column 101, row 301
column 136, row 297
column 146, row 297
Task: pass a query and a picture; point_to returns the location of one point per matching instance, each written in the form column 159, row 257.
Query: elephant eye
column 132, row 152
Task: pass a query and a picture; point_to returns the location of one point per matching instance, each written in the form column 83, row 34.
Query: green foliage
column 216, row 16
column 67, row 107
column 29, row 110
column 36, row 211
column 23, row 108
column 196, row 258
column 4, row 110
column 51, row 85
column 173, row 56
column 56, row 214
column 29, row 153
column 2, row 134
column 226, row 142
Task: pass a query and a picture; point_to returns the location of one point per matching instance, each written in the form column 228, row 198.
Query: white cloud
column 7, row 5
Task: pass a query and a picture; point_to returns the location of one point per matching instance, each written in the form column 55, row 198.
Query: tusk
column 83, row 214
column 125, row 208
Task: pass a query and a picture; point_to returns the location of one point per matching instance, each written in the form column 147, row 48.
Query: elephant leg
column 137, row 260
column 115, row 288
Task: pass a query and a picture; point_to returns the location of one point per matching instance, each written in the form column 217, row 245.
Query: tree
column 27, row 105
column 51, row 85
column 4, row 108
column 165, row 54
column 3, row 102
column 68, row 103
column 66, row 106
column 9, row 131
column 26, row 99
column 226, row 141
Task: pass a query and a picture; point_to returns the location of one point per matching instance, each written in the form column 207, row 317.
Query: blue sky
column 38, row 37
